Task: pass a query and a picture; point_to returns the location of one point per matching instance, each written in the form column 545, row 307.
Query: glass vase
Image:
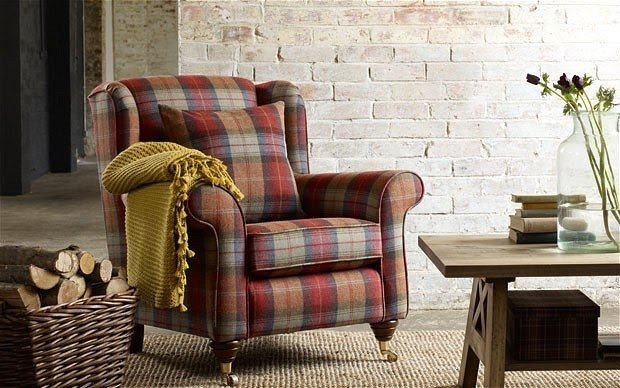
column 588, row 179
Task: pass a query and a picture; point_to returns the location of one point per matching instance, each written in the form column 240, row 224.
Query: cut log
column 81, row 283
column 114, row 286
column 87, row 262
column 54, row 261
column 64, row 292
column 102, row 272
column 75, row 265
column 88, row 293
column 28, row 274
column 20, row 295
column 119, row 272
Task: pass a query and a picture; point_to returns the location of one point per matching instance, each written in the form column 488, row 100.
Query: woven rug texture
column 329, row 358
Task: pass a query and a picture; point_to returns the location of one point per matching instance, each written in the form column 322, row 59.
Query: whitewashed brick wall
column 435, row 86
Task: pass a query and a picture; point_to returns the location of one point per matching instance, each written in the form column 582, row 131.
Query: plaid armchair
column 338, row 260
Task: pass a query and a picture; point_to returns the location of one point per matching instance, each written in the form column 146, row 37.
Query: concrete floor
column 65, row 209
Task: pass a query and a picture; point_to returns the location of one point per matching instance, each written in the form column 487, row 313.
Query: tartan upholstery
column 552, row 325
column 226, row 300
column 288, row 304
column 251, row 144
column 312, row 245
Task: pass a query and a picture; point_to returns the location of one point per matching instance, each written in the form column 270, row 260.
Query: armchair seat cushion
column 312, row 245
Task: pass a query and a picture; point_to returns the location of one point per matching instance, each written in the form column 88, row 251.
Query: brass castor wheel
column 386, row 351
column 391, row 356
column 232, row 380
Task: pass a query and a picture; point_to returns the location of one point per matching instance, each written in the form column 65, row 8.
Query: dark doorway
column 42, row 90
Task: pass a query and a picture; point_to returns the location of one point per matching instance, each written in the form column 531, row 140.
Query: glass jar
column 588, row 166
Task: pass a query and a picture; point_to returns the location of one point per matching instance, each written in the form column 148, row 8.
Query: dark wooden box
column 552, row 325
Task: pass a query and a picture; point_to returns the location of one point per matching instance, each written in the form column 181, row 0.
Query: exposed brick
column 397, row 72
column 424, row 15
column 340, row 72
column 361, row 91
column 313, row 91
column 532, row 14
column 513, row 34
column 400, row 110
column 416, row 91
column 478, row 53
column 454, row 71
column 462, row 110
column 418, row 129
column 366, row 164
column 233, row 12
column 397, row 148
column 465, row 34
column 365, row 16
column 362, row 129
column 340, row 110
column 296, row 71
column 220, row 68
column 222, row 52
column 344, row 35
column 439, row 148
column 259, row 53
column 399, row 34
column 283, row 34
column 422, row 53
column 428, row 168
column 243, row 34
column 312, row 53
column 481, row 128
column 193, row 51
column 300, row 16
column 365, row 54
column 479, row 166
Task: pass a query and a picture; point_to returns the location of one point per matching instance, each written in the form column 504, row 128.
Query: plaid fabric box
column 552, row 325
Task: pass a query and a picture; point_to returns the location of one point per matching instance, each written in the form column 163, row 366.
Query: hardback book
column 534, row 198
column 536, row 213
column 532, row 238
column 539, row 205
column 546, row 198
column 534, row 225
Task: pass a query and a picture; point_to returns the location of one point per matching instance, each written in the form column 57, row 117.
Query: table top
column 494, row 256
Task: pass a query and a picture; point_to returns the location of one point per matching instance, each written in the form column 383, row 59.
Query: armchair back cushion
column 252, row 145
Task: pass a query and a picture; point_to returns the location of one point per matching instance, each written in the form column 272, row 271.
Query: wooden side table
column 493, row 261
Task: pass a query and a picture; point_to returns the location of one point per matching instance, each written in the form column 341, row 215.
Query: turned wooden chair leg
column 137, row 338
column 383, row 333
column 225, row 353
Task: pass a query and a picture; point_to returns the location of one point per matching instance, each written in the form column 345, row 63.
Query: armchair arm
column 214, row 216
column 364, row 195
column 378, row 196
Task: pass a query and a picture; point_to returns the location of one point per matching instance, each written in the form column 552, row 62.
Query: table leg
column 485, row 334
column 469, row 360
column 495, row 341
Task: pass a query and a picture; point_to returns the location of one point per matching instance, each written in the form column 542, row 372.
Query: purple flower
column 531, row 78
column 577, row 82
column 563, row 83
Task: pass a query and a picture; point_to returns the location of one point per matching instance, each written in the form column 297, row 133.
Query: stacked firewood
column 31, row 278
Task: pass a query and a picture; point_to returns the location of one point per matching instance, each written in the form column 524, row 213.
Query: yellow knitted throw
column 158, row 177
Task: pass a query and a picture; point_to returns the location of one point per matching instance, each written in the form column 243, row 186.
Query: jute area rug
column 328, row 358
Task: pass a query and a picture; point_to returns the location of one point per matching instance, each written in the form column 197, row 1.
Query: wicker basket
column 83, row 343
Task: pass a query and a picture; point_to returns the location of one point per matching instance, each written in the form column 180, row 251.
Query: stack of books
column 536, row 221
